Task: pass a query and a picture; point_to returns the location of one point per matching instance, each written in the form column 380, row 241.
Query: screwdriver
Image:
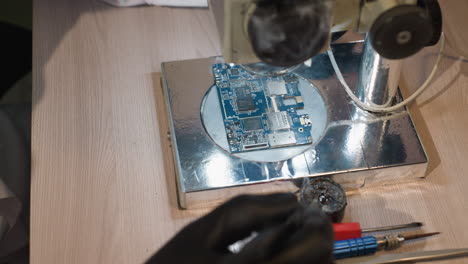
column 369, row 245
column 345, row 231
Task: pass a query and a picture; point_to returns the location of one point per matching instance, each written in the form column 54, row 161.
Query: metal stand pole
column 378, row 77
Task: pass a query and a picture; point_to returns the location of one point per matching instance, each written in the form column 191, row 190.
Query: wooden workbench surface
column 100, row 190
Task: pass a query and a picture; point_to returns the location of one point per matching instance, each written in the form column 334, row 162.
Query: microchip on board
column 244, row 99
column 253, row 123
column 234, row 71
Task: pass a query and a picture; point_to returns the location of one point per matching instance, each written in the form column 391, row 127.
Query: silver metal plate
column 280, row 139
column 278, row 120
column 277, row 88
column 348, row 139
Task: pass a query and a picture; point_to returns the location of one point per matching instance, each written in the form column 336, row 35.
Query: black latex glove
column 287, row 233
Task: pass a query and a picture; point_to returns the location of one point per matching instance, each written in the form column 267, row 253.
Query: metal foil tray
column 356, row 147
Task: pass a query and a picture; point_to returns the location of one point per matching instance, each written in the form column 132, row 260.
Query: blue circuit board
column 260, row 112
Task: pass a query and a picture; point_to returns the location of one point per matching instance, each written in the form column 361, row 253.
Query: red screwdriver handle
column 345, row 231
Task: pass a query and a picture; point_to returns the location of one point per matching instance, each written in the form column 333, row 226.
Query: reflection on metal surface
column 351, row 140
column 263, row 69
column 378, row 77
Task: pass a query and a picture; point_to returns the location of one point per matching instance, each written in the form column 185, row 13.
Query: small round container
column 324, row 193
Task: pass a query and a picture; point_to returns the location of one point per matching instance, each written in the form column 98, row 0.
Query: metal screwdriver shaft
column 369, row 245
column 386, row 228
column 395, row 241
column 411, row 237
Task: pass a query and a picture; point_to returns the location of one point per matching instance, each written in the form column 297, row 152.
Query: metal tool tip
column 385, row 228
column 421, row 235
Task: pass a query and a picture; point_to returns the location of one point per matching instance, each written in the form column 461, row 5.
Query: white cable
column 382, row 108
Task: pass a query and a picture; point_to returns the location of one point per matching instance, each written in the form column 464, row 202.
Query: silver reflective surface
column 263, row 69
column 352, row 140
column 378, row 77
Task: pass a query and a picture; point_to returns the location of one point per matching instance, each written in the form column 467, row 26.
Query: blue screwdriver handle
column 355, row 247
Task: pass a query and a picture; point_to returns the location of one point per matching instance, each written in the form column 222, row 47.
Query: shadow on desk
column 63, row 15
column 444, row 79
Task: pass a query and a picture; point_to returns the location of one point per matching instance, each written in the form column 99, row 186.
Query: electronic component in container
column 324, row 193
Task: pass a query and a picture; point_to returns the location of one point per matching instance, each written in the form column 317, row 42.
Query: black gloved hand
column 287, row 233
